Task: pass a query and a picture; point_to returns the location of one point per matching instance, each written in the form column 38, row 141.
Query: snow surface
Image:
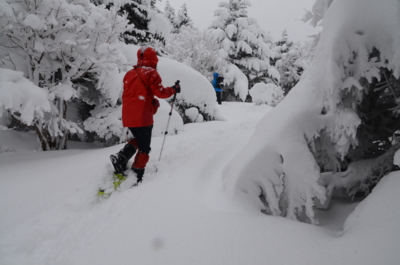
column 179, row 215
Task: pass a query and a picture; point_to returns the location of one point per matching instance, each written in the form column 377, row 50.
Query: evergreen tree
column 169, row 13
column 148, row 25
column 286, row 63
column 196, row 49
column 183, row 18
column 138, row 14
column 243, row 42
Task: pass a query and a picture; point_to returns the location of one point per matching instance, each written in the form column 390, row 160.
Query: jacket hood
column 147, row 57
column 216, row 75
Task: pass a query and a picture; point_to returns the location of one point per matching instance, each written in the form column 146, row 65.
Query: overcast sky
column 272, row 15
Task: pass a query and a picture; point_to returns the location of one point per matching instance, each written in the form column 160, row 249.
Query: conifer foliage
column 169, row 13
column 183, row 18
column 243, row 43
column 179, row 20
column 141, row 14
column 287, row 63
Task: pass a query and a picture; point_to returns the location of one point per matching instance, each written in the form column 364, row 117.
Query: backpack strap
column 145, row 85
column 154, row 102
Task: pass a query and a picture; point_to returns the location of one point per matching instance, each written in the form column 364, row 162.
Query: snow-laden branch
column 318, row 124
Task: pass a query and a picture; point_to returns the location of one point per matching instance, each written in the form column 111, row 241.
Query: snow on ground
column 179, row 215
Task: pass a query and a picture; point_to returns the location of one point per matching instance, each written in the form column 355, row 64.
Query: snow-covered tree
column 169, row 13
column 59, row 44
column 286, row 62
column 196, row 49
column 183, row 19
column 243, row 43
column 314, row 17
column 340, row 119
column 149, row 25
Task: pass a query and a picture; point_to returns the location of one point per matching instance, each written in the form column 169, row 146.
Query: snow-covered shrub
column 58, row 44
column 18, row 94
column 107, row 124
column 279, row 162
column 269, row 94
column 197, row 91
column 194, row 115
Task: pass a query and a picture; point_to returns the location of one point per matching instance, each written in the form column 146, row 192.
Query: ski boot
column 119, row 163
column 139, row 174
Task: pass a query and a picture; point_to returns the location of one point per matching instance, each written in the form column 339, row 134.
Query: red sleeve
column 157, row 87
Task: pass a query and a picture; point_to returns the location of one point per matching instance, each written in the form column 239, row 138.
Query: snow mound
column 372, row 224
column 269, row 94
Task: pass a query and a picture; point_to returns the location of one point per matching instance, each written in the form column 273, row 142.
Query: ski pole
column 169, row 119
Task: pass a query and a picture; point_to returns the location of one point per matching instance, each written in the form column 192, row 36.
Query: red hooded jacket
column 141, row 84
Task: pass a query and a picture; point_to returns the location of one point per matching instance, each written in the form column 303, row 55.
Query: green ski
column 117, row 180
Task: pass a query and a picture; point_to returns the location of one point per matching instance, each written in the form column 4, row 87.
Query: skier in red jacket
column 139, row 105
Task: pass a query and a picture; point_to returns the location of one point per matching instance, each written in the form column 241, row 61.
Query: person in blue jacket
column 218, row 85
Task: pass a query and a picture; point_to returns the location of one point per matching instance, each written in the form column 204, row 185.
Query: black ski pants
column 142, row 135
column 218, row 97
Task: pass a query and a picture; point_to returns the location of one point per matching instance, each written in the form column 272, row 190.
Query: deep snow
column 49, row 213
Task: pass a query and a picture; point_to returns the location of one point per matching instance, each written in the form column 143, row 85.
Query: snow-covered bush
column 194, row 115
column 269, row 94
column 18, row 94
column 59, row 44
column 197, row 91
column 320, row 115
column 107, row 124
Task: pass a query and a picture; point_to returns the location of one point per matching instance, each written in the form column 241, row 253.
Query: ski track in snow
column 179, row 215
column 74, row 214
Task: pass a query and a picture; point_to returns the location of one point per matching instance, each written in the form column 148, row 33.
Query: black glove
column 177, row 87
